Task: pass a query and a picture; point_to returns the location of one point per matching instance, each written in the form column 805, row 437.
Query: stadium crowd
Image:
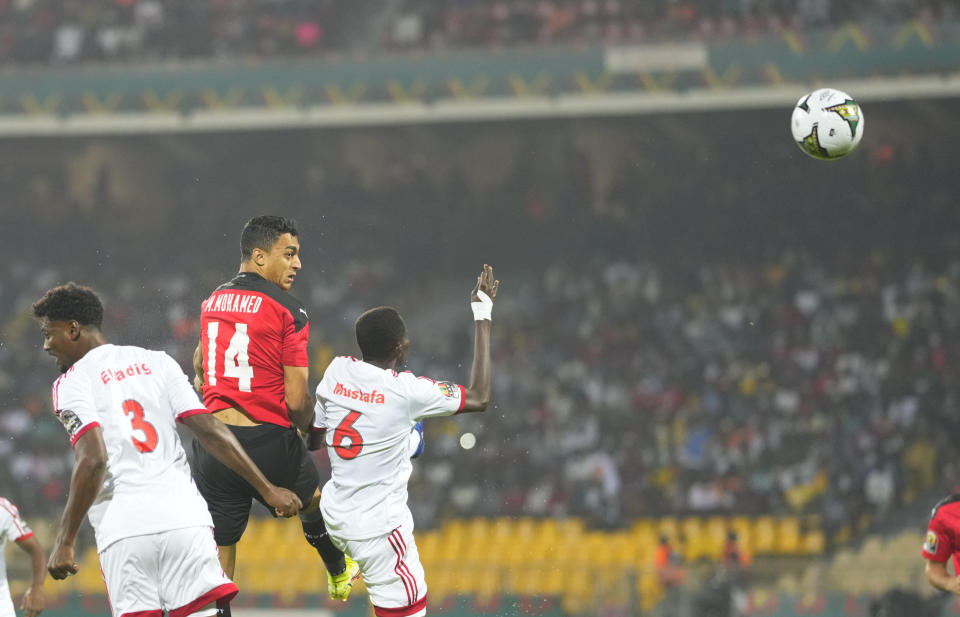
column 660, row 346
column 63, row 32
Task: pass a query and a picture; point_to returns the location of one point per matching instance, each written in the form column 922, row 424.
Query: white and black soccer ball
column 827, row 124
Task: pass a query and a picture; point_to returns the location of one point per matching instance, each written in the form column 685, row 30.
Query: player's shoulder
column 7, row 507
column 948, row 506
column 252, row 282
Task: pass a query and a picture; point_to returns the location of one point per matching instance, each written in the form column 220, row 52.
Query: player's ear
column 73, row 329
column 257, row 256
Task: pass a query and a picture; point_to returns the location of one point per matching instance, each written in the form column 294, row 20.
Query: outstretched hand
column 485, row 283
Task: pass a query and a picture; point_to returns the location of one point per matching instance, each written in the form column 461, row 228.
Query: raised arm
column 217, row 439
column 88, row 471
column 34, row 599
column 296, row 393
column 477, row 396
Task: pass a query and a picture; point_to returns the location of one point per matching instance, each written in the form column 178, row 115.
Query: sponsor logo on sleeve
column 930, row 544
column 448, row 389
column 70, row 421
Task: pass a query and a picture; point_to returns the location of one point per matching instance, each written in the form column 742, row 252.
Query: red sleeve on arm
column 190, row 412
column 83, row 429
column 463, row 398
column 295, row 345
column 938, row 545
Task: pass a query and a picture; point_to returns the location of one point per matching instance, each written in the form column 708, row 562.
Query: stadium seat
column 814, row 542
column 788, row 536
column 764, row 535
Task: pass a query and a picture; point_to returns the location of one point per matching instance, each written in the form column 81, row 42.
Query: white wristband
column 482, row 309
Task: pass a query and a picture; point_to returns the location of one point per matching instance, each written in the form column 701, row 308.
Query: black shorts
column 279, row 453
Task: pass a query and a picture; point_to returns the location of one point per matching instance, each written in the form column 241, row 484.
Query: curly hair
column 70, row 302
column 261, row 232
column 379, row 330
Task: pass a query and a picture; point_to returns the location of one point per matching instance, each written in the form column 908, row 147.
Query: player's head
column 70, row 317
column 269, row 246
column 382, row 336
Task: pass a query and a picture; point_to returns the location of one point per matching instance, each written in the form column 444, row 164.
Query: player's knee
column 313, row 506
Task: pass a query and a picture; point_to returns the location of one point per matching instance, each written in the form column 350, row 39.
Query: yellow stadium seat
column 570, row 528
column 764, row 535
column 478, row 529
column 788, row 536
column 691, row 529
column 814, row 542
column 743, row 527
column 525, row 529
column 669, row 527
column 715, row 532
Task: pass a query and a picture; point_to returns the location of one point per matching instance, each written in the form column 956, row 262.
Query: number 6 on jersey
column 236, row 361
column 347, row 442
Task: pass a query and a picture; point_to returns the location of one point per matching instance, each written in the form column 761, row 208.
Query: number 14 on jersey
column 236, row 361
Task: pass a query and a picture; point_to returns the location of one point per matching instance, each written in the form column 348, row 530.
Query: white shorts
column 175, row 571
column 391, row 571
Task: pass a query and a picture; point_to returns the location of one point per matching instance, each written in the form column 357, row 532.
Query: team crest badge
column 930, row 545
column 70, row 421
column 448, row 389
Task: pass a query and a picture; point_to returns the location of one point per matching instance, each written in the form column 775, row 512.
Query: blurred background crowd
column 62, row 32
column 731, row 343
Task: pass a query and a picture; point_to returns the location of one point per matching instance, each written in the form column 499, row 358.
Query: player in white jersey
column 367, row 411
column 13, row 528
column 120, row 405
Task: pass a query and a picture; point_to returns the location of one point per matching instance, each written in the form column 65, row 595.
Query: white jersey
column 135, row 396
column 13, row 528
column 368, row 414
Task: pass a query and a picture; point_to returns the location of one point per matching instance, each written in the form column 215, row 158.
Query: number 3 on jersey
column 236, row 362
column 134, row 410
column 346, row 440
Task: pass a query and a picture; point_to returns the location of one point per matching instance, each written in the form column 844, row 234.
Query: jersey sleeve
column 430, row 398
column 73, row 405
column 938, row 545
column 294, row 351
column 181, row 396
column 319, row 413
column 11, row 524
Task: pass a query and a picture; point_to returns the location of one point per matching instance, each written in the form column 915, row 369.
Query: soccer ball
column 827, row 124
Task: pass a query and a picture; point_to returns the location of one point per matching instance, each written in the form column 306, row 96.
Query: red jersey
column 249, row 330
column 943, row 533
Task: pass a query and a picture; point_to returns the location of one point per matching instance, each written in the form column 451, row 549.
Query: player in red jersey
column 252, row 368
column 942, row 543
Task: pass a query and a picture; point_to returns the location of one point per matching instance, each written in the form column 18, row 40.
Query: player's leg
column 228, row 498
column 299, row 474
column 191, row 579
column 228, row 558
column 130, row 572
column 392, row 572
column 342, row 571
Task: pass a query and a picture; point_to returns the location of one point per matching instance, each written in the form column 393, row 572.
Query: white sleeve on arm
column 319, row 411
column 429, row 398
column 181, row 396
column 73, row 404
column 11, row 524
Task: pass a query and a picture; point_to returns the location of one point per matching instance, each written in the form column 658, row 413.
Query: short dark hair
column 261, row 232
column 379, row 331
column 70, row 302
